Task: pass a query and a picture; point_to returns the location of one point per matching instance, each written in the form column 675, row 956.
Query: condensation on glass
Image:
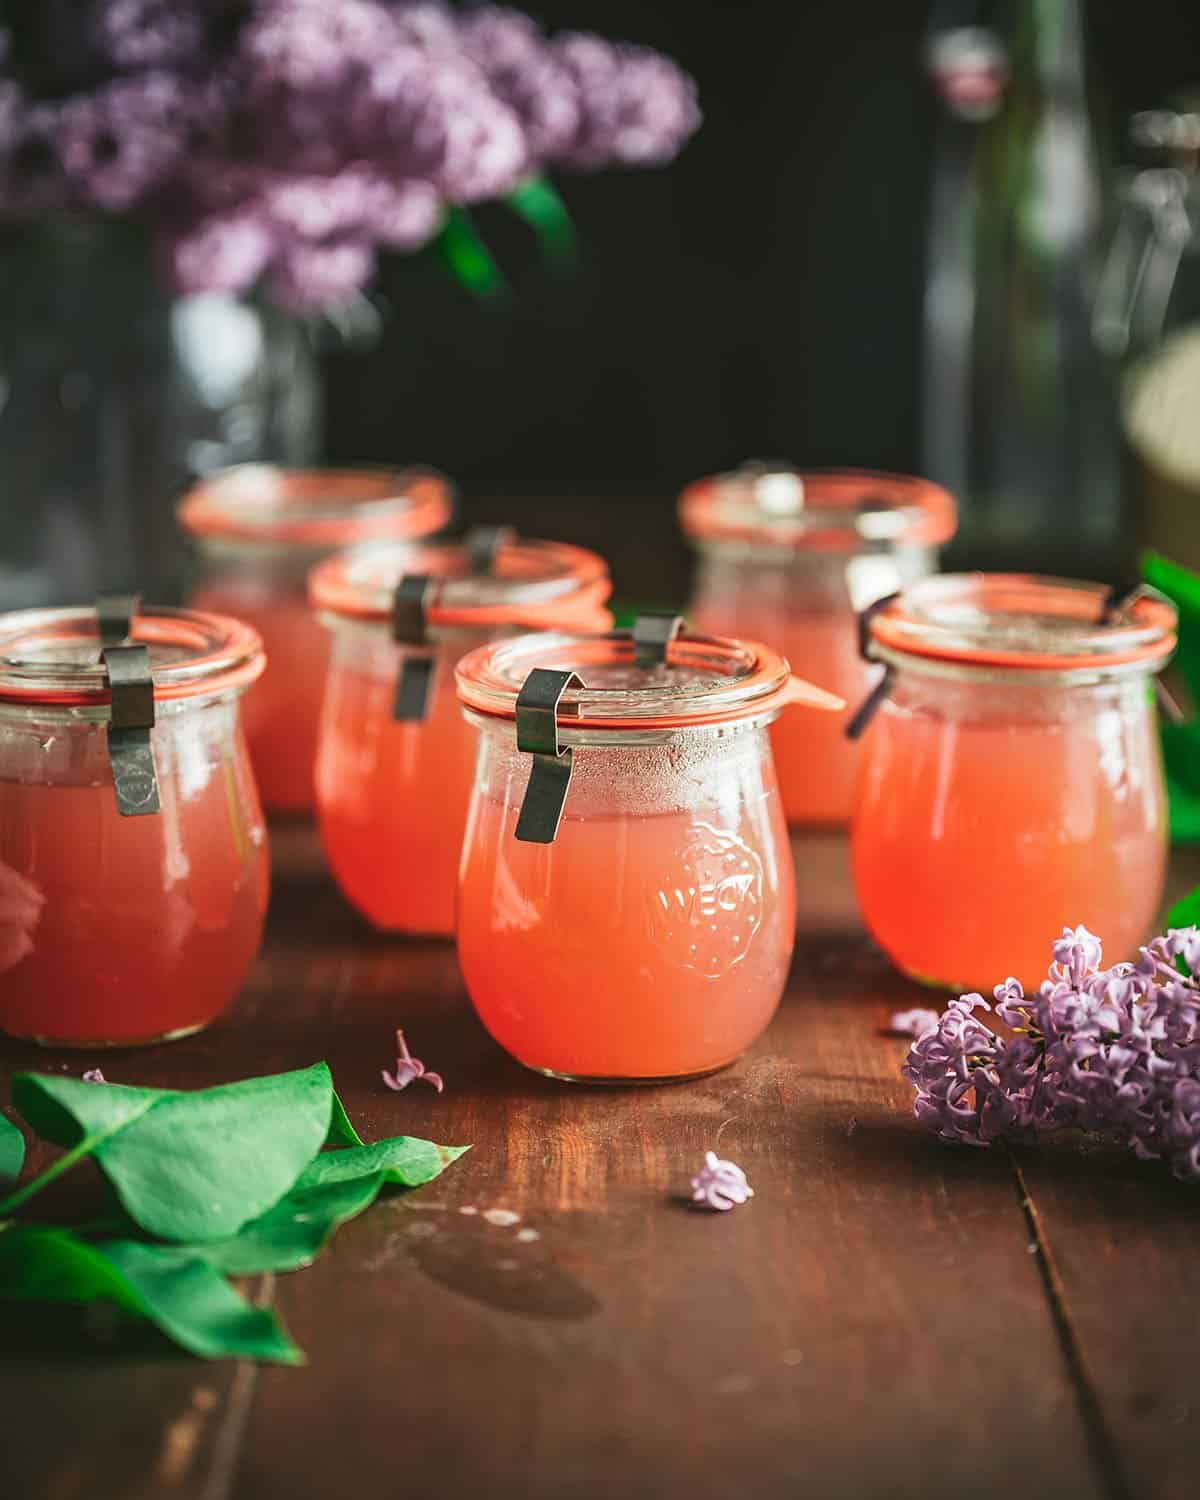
column 260, row 530
column 117, row 929
column 394, row 758
column 788, row 558
column 1011, row 781
column 648, row 935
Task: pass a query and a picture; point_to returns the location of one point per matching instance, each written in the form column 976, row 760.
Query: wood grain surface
column 886, row 1318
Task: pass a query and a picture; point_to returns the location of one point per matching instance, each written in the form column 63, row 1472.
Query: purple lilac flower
column 147, row 33
column 356, row 202
column 426, row 23
column 312, row 277
column 219, row 253
column 94, row 1075
column 1112, row 1051
column 720, row 1184
column 289, row 138
column 408, row 1070
column 33, row 180
column 913, row 1023
column 121, row 141
column 636, row 106
column 302, row 65
column 528, row 75
column 432, row 118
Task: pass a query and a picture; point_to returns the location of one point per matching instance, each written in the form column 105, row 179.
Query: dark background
column 760, row 297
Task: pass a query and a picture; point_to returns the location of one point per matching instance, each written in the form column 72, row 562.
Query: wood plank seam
column 1104, row 1451
column 231, row 1432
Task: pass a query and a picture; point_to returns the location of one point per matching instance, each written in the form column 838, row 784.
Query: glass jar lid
column 52, row 656
column 836, row 510
column 315, row 507
column 701, row 680
column 518, row 581
column 1021, row 621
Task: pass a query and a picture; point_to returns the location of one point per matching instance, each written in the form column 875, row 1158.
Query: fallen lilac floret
column 94, row 1075
column 914, row 1023
column 409, row 1068
column 720, row 1184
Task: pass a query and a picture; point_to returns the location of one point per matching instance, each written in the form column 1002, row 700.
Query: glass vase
column 114, row 396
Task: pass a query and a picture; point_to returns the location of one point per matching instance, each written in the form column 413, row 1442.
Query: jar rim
column 316, row 507
column 704, row 680
column 52, row 656
column 527, row 582
column 1025, row 622
column 817, row 510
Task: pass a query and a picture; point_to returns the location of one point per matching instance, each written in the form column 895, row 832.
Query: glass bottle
column 1019, row 411
column 1148, row 322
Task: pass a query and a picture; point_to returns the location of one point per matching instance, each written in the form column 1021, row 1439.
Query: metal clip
column 131, row 687
column 868, row 708
column 483, row 542
column 537, row 735
column 115, row 614
column 1118, row 598
column 409, row 604
column 653, row 632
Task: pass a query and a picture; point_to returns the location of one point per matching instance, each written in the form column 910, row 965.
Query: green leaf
column 341, row 1132
column 537, row 202
column 292, row 1234
column 12, row 1152
column 468, row 257
column 403, row 1159
column 1182, row 587
column 334, row 1187
column 183, row 1296
column 185, row 1166
column 1185, row 913
column 1180, row 584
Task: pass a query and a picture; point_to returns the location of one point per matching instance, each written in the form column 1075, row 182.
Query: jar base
column 617, row 1082
column 110, row 1046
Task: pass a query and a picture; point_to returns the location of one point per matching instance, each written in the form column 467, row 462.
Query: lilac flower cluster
column 1112, row 1051
column 290, row 139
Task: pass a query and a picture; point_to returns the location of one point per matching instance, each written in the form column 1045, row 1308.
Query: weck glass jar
column 647, row 935
column 1011, row 781
column 133, row 858
column 394, row 759
column 788, row 558
column 260, row 531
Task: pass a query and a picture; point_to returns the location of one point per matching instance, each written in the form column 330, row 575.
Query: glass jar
column 646, row 936
column 260, row 531
column 394, row 758
column 1011, row 781
column 788, row 558
column 118, row 928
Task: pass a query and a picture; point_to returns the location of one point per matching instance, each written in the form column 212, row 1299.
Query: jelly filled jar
column 133, row 858
column 788, row 558
column 260, row 531
column 395, row 759
column 627, row 896
column 1011, row 781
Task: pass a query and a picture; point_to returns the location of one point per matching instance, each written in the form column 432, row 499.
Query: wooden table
column 887, row 1318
